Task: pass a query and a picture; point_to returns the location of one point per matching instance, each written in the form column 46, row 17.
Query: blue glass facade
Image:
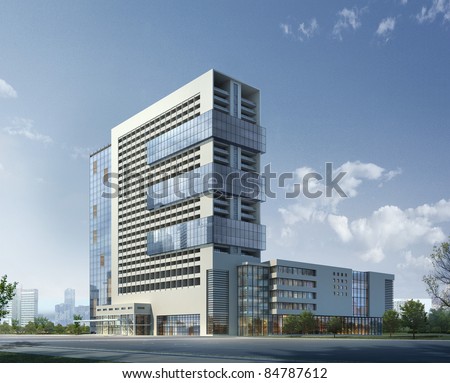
column 99, row 232
column 208, row 178
column 207, row 230
column 360, row 293
column 210, row 124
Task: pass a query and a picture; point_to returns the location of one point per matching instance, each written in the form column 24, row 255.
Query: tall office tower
column 69, row 298
column 187, row 209
column 99, row 231
column 28, row 305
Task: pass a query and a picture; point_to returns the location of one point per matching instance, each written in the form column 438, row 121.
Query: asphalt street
column 230, row 349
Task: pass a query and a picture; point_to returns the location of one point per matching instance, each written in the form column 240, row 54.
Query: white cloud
column 24, row 127
column 404, row 2
column 287, row 232
column 439, row 212
column 286, row 29
column 306, row 31
column 318, row 209
column 1, row 167
column 410, row 261
column 6, row 90
column 348, row 19
column 437, row 7
column 339, row 224
column 386, row 27
column 391, row 229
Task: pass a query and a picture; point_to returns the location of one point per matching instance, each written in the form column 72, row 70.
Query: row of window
column 160, row 274
column 292, row 282
column 293, row 294
column 293, row 306
column 160, row 286
column 293, row 270
column 152, row 126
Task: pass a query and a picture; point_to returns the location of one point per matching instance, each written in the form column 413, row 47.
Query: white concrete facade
column 131, row 221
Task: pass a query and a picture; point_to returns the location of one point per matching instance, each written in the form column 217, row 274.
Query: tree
column 5, row 328
column 292, row 324
column 334, row 325
column 76, row 324
column 7, row 292
column 391, row 321
column 30, row 328
column 438, row 280
column 307, row 322
column 15, row 325
column 439, row 320
column 413, row 315
column 44, row 325
column 304, row 323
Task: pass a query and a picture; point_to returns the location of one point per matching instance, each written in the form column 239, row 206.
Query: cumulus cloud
column 388, row 230
column 304, row 31
column 318, row 209
column 347, row 19
column 392, row 229
column 437, row 8
column 6, row 90
column 24, row 127
column 386, row 27
column 339, row 224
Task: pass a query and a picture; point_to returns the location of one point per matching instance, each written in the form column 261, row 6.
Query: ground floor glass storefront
column 273, row 325
column 188, row 324
column 126, row 324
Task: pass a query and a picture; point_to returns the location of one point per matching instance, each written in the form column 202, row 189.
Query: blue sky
column 362, row 84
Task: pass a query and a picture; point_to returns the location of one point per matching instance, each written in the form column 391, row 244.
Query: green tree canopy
column 303, row 323
column 335, row 325
column 7, row 292
column 308, row 322
column 391, row 321
column 438, row 280
column 439, row 320
column 292, row 324
column 413, row 316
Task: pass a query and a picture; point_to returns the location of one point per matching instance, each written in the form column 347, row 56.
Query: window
column 94, row 167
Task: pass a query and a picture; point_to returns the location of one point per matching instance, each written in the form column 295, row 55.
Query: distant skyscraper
column 23, row 307
column 69, row 297
column 28, row 306
column 64, row 312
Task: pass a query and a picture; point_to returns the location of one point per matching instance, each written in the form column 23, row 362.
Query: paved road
column 229, row 349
